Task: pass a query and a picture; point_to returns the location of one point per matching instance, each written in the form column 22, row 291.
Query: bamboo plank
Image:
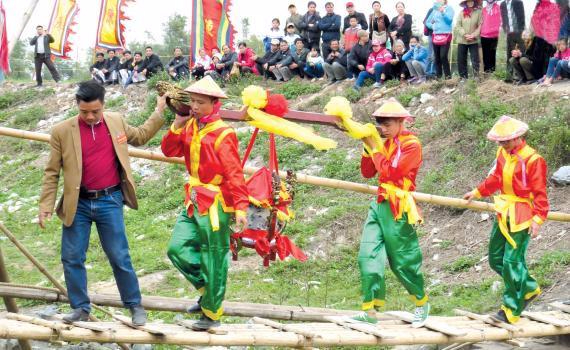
column 431, row 324
column 284, row 327
column 560, row 306
column 546, row 319
column 156, row 331
column 359, row 326
column 488, row 320
column 57, row 326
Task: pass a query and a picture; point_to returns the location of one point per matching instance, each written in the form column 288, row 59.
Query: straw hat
column 206, row 86
column 392, row 109
column 507, row 128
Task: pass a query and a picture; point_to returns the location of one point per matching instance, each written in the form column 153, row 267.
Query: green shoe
column 365, row 317
column 420, row 315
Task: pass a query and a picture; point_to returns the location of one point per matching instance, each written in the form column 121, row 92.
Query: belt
column 213, row 209
column 407, row 203
column 505, row 206
column 87, row 194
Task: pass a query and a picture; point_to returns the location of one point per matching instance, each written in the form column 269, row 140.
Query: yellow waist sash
column 407, row 203
column 213, row 209
column 505, row 205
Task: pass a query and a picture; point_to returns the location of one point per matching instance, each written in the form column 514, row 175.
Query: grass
column 463, row 263
column 295, row 88
column 28, row 117
column 14, row 98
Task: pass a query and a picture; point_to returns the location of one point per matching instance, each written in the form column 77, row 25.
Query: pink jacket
column 383, row 56
column 564, row 55
column 491, row 22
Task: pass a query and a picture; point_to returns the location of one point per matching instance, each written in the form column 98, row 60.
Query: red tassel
column 277, row 105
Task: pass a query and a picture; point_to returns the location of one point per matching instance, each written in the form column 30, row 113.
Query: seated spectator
column 335, row 63
column 314, row 66
column 111, row 68
column 397, row 68
column 416, row 60
column 299, row 56
column 262, row 63
column 359, row 53
column 274, row 33
column 96, row 68
column 378, row 58
column 215, row 68
column 281, row 67
column 245, row 60
column 351, row 33
column 528, row 66
column 125, row 67
column 151, row 63
column 558, row 64
column 203, row 62
column 136, row 75
column 177, row 68
column 291, row 36
column 227, row 62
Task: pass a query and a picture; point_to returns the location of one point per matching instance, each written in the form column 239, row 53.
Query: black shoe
column 196, row 307
column 76, row 316
column 500, row 317
column 138, row 315
column 204, row 323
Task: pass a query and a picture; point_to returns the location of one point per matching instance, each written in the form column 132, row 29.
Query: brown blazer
column 65, row 154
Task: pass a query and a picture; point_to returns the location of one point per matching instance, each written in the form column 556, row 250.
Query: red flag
column 111, row 28
column 60, row 26
column 211, row 25
column 4, row 63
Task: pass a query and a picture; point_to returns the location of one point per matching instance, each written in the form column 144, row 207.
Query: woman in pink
column 490, row 34
column 559, row 63
column 375, row 66
column 245, row 60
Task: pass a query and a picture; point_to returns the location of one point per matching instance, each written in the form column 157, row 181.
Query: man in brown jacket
column 92, row 151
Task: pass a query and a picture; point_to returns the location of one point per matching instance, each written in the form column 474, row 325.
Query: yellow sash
column 505, row 204
column 407, row 203
column 213, row 210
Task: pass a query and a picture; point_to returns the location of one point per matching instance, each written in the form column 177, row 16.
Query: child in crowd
column 351, row 33
column 377, row 59
column 291, row 36
column 314, row 67
column 274, row 33
column 558, row 64
column 203, row 62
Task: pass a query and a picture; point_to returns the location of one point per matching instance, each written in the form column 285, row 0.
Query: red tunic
column 213, row 162
column 520, row 176
column 397, row 166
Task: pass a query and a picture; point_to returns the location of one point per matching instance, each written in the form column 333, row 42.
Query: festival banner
column 60, row 26
column 211, row 26
column 110, row 31
column 4, row 62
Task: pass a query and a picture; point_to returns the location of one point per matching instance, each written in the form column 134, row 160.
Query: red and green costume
column 200, row 243
column 388, row 231
column 520, row 177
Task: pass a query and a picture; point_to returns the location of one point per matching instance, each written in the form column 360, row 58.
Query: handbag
column 441, row 39
column 382, row 37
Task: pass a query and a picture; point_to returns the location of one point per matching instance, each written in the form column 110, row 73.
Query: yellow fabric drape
column 407, row 203
column 505, row 205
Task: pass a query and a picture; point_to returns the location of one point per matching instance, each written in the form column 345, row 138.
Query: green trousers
column 510, row 264
column 202, row 256
column 383, row 237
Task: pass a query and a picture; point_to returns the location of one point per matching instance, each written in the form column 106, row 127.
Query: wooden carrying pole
column 301, row 178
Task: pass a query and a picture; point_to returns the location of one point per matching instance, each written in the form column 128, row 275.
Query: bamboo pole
column 488, row 320
column 57, row 326
column 301, row 178
column 284, row 327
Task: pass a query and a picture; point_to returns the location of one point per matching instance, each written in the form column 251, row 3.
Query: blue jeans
column 561, row 66
column 314, row 72
column 552, row 63
column 378, row 68
column 430, row 69
column 107, row 213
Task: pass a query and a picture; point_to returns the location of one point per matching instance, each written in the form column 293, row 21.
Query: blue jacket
column 330, row 25
column 418, row 53
column 441, row 23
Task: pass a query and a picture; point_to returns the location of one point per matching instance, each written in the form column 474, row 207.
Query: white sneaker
column 420, row 316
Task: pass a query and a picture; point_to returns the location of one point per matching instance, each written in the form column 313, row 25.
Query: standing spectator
column 330, row 26
column 126, row 67
column 262, row 63
column 274, row 33
column 558, row 63
column 379, row 24
column 440, row 20
column 42, row 55
column 97, row 68
column 545, row 24
column 428, row 31
column 227, row 62
column 151, row 63
column 564, row 20
column 513, row 20
column 351, row 34
column 314, row 67
column 310, row 26
column 490, row 34
column 335, row 63
column 281, row 67
column 416, row 60
column 290, row 35
column 294, row 18
column 397, row 68
column 111, row 69
column 203, row 62
column 358, row 57
column 245, row 60
column 299, row 56
column 360, row 18
column 401, row 25
column 378, row 58
column 468, row 33
column 177, row 68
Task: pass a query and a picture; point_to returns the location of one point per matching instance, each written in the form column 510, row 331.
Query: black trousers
column 462, row 51
column 325, row 49
column 489, row 46
column 39, row 61
column 514, row 40
column 198, row 72
column 441, row 59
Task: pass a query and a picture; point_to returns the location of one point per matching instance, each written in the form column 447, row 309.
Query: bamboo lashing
column 301, row 178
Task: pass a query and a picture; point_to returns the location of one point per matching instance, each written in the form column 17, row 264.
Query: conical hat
column 507, row 128
column 391, row 109
column 206, row 86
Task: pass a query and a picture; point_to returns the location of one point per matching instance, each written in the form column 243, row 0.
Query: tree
column 175, row 34
column 21, row 66
column 256, row 45
column 245, row 28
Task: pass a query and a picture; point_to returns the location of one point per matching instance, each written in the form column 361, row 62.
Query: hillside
column 452, row 120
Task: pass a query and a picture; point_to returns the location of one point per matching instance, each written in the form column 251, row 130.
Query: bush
column 550, row 136
column 14, row 98
column 29, row 117
column 160, row 76
column 463, row 263
column 407, row 97
column 295, row 88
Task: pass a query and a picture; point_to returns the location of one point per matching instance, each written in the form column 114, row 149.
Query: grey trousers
column 522, row 68
column 416, row 68
column 335, row 71
column 282, row 73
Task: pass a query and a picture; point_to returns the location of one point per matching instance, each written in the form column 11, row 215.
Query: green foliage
column 352, row 95
column 340, row 166
column 139, row 117
column 21, row 66
column 256, row 45
column 160, row 76
column 29, row 117
column 463, row 263
column 406, row 97
column 115, row 103
column 550, row 136
column 175, row 34
column 392, row 83
column 14, row 98
column 295, row 88
column 548, row 265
